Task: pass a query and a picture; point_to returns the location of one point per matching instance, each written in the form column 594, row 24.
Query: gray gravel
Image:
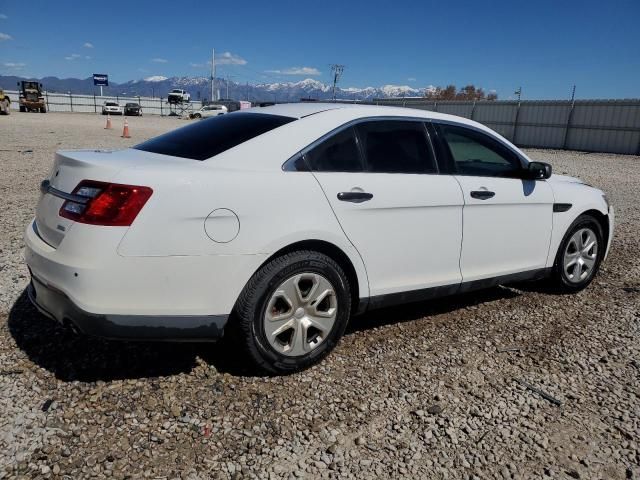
column 430, row 390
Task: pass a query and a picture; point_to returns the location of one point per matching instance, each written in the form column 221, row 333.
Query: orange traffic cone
column 108, row 126
column 125, row 130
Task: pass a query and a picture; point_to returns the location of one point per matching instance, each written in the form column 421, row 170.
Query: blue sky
column 543, row 46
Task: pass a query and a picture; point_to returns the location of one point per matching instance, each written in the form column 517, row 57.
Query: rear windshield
column 206, row 138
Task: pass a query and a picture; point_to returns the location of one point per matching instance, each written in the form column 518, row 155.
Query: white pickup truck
column 179, row 96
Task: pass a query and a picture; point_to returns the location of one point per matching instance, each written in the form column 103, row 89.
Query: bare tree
column 468, row 92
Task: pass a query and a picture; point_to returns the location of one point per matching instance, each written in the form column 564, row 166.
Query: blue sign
column 101, row 79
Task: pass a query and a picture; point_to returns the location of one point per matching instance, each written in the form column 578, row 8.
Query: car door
column 404, row 219
column 507, row 219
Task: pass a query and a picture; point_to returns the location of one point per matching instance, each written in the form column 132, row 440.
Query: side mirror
column 538, row 171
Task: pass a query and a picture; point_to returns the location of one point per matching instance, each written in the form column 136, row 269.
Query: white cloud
column 411, row 79
column 77, row 56
column 3, row 16
column 228, row 58
column 14, row 65
column 88, row 45
column 4, row 36
column 159, row 60
column 297, row 71
column 155, row 78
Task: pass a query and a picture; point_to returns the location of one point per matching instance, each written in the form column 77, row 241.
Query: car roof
column 305, row 109
column 319, row 118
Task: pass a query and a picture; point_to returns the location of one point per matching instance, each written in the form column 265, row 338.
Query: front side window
column 339, row 153
column 396, row 147
column 475, row 153
column 205, row 139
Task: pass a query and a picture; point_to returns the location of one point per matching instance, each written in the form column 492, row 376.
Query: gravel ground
column 425, row 391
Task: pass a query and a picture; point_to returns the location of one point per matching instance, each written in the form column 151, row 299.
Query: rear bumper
column 57, row 306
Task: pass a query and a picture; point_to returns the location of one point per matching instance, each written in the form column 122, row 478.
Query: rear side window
column 339, row 153
column 207, row 138
column 396, row 147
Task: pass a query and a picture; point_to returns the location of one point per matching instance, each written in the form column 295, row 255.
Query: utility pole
column 336, row 70
column 213, row 73
column 518, row 92
column 227, row 82
column 573, row 94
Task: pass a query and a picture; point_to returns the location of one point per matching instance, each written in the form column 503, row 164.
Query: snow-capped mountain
column 200, row 88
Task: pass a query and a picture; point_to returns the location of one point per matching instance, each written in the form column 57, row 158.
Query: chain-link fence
column 611, row 126
column 69, row 102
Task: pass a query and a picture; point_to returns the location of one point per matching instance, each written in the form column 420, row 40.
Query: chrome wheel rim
column 300, row 314
column 580, row 255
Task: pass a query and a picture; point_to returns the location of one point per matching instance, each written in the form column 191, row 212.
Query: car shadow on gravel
column 428, row 308
column 72, row 357
column 88, row 359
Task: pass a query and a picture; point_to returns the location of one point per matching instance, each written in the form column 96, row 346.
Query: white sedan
column 278, row 224
column 112, row 108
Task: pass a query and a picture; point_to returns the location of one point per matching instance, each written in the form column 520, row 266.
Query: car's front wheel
column 579, row 255
column 292, row 312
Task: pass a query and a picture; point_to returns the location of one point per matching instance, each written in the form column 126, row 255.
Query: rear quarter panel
column 274, row 209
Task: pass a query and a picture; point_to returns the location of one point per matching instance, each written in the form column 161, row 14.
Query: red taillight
column 102, row 203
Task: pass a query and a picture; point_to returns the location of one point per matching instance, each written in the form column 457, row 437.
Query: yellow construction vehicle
column 31, row 97
column 5, row 103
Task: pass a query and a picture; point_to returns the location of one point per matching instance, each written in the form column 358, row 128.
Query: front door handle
column 355, row 197
column 482, row 194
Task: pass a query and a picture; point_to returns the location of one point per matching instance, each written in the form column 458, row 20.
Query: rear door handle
column 355, row 197
column 482, row 194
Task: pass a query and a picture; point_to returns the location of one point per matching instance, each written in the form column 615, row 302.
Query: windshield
column 207, row 138
column 111, row 104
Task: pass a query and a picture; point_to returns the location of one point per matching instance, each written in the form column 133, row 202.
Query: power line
column 336, row 70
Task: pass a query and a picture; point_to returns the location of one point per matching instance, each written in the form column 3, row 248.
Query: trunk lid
column 69, row 168
column 72, row 166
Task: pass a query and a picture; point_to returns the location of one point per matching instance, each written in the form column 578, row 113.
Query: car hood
column 564, row 179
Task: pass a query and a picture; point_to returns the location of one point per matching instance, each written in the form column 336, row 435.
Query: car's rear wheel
column 292, row 312
column 197, row 115
column 579, row 255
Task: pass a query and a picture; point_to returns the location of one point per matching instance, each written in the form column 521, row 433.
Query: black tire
column 245, row 328
column 197, row 115
column 559, row 280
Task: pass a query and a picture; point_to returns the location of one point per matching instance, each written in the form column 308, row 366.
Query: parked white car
column 209, row 111
column 280, row 223
column 112, row 108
